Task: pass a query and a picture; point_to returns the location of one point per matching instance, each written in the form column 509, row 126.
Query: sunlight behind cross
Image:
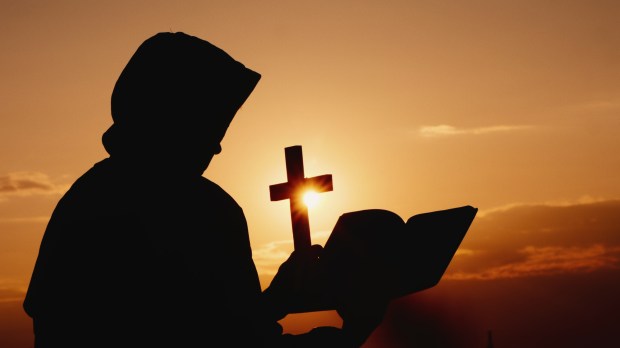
column 310, row 198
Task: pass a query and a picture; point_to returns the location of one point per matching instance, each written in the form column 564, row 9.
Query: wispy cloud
column 447, row 130
column 25, row 219
column 464, row 252
column 522, row 240
column 596, row 105
column 12, row 290
column 542, row 261
column 583, row 200
column 28, row 184
column 270, row 256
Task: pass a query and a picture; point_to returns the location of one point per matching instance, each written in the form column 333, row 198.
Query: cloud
column 539, row 240
column 585, row 199
column 602, row 105
column 26, row 219
column 268, row 257
column 446, row 130
column 28, row 184
column 12, row 290
column 544, row 261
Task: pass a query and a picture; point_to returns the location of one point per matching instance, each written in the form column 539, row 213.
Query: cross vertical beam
column 294, row 189
column 299, row 211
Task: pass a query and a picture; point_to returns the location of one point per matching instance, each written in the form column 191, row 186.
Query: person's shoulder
column 88, row 177
column 205, row 184
column 215, row 191
column 89, row 190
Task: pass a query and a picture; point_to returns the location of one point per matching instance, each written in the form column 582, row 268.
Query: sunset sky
column 512, row 107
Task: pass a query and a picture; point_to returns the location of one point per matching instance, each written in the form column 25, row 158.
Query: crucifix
column 294, row 189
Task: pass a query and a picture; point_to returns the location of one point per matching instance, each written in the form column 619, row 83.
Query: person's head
column 174, row 101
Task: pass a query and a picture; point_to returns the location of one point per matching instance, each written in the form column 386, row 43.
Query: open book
column 376, row 253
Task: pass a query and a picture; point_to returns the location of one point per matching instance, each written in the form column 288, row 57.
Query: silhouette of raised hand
column 292, row 286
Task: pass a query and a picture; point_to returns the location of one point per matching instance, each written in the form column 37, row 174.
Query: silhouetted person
column 143, row 250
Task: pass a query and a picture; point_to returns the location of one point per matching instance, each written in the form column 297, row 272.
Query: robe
column 130, row 258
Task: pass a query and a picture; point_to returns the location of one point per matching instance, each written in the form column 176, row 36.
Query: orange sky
column 413, row 106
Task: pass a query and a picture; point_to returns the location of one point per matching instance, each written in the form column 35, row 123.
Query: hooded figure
column 142, row 250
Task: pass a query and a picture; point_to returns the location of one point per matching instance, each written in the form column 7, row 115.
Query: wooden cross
column 294, row 189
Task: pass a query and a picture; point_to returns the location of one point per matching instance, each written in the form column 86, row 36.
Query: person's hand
column 292, row 286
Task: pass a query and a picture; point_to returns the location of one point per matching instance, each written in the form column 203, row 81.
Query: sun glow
column 311, row 198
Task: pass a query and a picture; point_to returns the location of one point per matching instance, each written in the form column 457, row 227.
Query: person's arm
column 362, row 313
column 288, row 290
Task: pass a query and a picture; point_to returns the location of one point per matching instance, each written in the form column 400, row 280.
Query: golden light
column 310, row 198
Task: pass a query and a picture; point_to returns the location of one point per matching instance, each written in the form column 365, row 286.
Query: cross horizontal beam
column 285, row 190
